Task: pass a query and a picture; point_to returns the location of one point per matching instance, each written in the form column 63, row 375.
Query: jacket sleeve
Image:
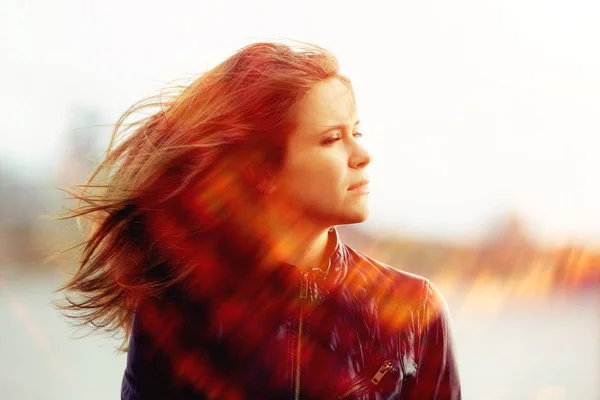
column 148, row 374
column 437, row 372
column 145, row 376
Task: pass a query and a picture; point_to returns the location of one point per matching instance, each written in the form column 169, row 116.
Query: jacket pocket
column 382, row 379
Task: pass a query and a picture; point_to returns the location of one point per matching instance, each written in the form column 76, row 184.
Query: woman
column 214, row 247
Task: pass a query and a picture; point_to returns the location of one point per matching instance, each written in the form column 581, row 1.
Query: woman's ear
column 266, row 186
column 262, row 179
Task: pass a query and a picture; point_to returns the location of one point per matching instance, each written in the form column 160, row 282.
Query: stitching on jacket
column 423, row 320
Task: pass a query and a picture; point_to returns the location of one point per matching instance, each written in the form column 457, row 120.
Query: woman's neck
column 295, row 239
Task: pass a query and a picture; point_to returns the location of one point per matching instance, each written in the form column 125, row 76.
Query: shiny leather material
column 363, row 331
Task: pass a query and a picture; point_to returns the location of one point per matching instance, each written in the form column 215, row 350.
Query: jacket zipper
column 303, row 295
column 384, row 369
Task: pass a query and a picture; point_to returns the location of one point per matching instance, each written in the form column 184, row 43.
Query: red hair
column 178, row 175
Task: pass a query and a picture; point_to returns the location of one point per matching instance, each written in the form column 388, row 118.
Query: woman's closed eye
column 335, row 138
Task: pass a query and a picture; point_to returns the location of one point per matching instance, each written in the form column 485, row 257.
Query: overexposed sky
column 471, row 109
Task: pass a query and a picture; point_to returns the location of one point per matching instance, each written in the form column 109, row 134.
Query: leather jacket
column 358, row 330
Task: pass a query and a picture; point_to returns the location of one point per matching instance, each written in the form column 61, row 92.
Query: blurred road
column 39, row 355
column 538, row 350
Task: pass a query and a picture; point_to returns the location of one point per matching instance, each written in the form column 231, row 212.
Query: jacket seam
column 423, row 322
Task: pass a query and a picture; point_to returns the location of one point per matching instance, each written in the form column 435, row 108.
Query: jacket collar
column 322, row 282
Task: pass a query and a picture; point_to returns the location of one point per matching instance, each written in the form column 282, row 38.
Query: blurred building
column 20, row 202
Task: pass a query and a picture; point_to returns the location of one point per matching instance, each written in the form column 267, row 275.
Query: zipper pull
column 381, row 373
column 304, row 286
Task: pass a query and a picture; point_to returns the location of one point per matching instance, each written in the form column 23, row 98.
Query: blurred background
column 482, row 119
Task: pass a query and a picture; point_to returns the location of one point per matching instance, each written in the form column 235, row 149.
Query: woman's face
column 324, row 159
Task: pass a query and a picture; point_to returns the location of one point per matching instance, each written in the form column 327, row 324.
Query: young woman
column 213, row 247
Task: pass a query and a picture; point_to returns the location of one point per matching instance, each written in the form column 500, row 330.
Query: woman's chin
column 355, row 216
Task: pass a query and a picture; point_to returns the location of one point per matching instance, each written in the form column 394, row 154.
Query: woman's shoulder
column 393, row 284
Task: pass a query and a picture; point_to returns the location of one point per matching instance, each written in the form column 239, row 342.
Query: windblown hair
column 156, row 202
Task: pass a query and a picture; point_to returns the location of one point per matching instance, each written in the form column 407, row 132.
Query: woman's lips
column 361, row 187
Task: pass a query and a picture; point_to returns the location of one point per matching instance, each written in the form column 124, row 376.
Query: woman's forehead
column 329, row 102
